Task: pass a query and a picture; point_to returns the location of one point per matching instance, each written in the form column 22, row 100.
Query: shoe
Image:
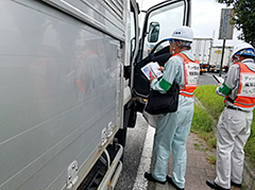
column 149, row 177
column 170, row 180
column 213, row 185
column 236, row 184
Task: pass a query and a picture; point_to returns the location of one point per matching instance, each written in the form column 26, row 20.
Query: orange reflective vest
column 191, row 76
column 246, row 90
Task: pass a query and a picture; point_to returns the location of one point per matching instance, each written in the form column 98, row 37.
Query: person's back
column 173, row 128
column 233, row 128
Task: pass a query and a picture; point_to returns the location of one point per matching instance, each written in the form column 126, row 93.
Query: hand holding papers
column 218, row 79
column 151, row 70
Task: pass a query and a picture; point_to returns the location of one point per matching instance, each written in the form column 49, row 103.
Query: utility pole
column 222, row 56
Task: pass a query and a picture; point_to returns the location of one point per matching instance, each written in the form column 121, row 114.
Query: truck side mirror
column 153, row 32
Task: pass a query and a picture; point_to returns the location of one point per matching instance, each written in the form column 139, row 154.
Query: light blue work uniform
column 173, row 128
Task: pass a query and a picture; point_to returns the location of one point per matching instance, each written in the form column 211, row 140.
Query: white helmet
column 244, row 49
column 183, row 33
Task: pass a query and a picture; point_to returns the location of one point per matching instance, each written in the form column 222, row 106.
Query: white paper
column 152, row 70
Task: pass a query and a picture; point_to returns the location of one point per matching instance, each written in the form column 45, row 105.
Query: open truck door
column 160, row 22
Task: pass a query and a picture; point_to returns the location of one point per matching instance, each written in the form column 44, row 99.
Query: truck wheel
column 121, row 136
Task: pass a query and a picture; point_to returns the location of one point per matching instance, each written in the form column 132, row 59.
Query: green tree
column 244, row 18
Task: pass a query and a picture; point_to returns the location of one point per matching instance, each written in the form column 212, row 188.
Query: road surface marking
column 145, row 162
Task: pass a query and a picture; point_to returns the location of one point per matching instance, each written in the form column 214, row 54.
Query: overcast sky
column 205, row 20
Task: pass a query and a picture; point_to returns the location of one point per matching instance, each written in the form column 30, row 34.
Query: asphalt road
column 207, row 78
column 135, row 144
column 132, row 154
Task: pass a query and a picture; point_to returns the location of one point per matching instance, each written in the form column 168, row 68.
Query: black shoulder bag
column 158, row 103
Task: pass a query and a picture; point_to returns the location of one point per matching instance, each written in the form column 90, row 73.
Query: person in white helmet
column 173, row 128
column 233, row 128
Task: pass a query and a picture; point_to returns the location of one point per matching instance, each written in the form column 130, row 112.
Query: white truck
column 215, row 58
column 201, row 49
column 70, row 86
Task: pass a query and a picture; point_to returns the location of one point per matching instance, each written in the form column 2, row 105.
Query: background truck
column 201, row 49
column 70, row 85
column 215, row 60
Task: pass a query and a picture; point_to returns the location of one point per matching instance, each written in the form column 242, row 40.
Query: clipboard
column 218, row 79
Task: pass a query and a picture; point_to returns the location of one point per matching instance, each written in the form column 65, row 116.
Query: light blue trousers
column 171, row 135
column 233, row 131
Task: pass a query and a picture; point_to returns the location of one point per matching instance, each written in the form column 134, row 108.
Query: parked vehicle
column 201, row 49
column 216, row 55
column 70, row 84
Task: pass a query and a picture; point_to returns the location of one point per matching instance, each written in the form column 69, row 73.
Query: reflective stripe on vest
column 191, row 76
column 246, row 90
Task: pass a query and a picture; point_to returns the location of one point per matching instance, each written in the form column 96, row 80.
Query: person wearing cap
column 173, row 128
column 233, row 128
